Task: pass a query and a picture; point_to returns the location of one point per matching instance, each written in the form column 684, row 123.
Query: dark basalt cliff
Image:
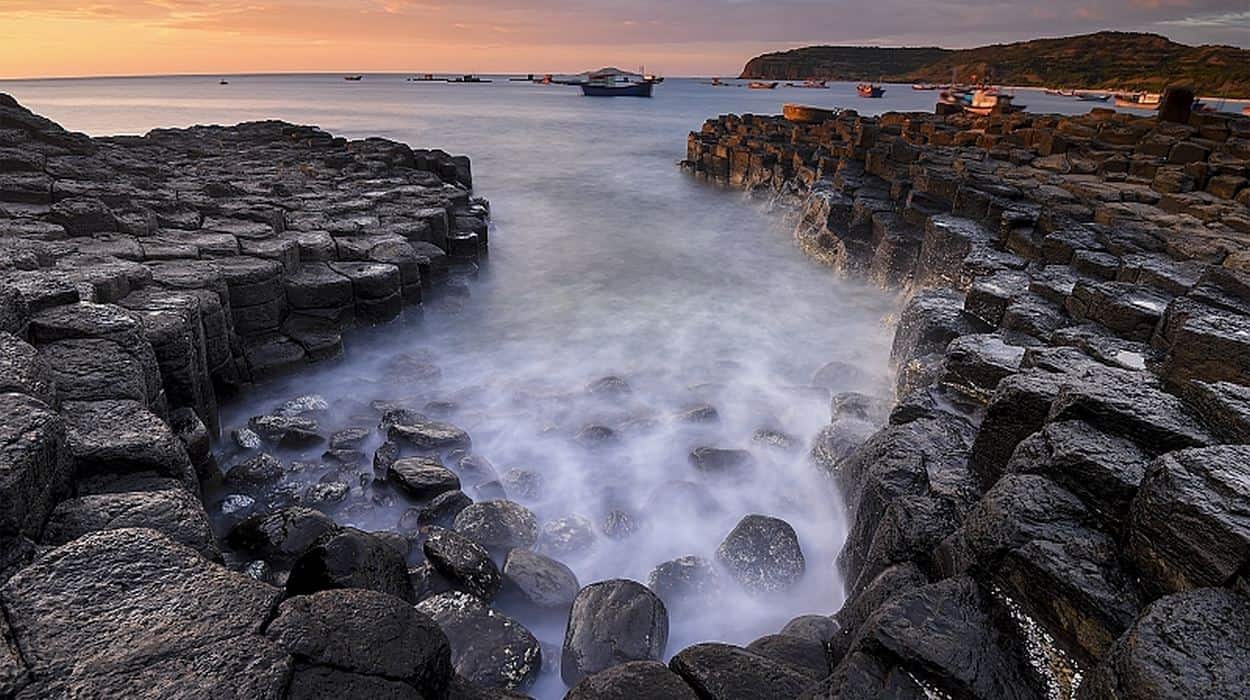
column 1058, row 493
column 1113, row 60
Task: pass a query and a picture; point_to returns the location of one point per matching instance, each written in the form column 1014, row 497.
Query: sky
column 45, row 38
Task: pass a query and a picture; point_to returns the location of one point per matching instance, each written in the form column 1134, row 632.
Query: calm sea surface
column 605, row 260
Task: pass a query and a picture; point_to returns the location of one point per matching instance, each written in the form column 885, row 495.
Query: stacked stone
column 1057, row 504
column 139, row 278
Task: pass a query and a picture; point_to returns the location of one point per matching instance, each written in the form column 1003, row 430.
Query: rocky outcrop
column 1071, row 399
column 140, row 279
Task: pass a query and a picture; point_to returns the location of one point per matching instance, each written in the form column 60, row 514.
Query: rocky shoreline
column 1056, row 504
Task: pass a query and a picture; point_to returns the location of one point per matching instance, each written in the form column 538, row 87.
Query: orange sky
column 40, row 38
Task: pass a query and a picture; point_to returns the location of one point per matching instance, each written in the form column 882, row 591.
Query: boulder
column 172, row 512
column 540, row 580
column 631, row 681
column 498, row 525
column 443, row 509
column 488, row 648
column 366, row 633
column 1190, row 522
column 255, row 471
column 35, row 469
column 350, row 558
column 719, row 461
column 1018, row 408
column 282, row 536
column 817, row 628
column 23, row 371
column 292, row 432
column 130, row 613
column 463, row 563
column 123, row 437
column 806, row 656
column 930, row 320
column 1185, row 646
column 689, row 578
column 726, row 672
column 762, row 554
column 422, row 478
column 428, row 435
column 976, row 363
column 565, row 536
column 610, row 623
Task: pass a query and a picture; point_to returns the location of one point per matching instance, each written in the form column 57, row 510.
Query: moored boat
column 1092, row 97
column 924, row 86
column 354, row 78
column 981, row 101
column 869, row 90
column 1138, row 100
column 614, row 84
column 760, row 85
column 467, row 79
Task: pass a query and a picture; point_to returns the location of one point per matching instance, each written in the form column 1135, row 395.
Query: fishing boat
column 224, row 82
column 615, row 84
column 924, row 86
column 760, row 85
column 869, row 90
column 1092, row 97
column 467, row 79
column 1138, row 100
column 981, row 101
column 810, row 85
column 354, row 78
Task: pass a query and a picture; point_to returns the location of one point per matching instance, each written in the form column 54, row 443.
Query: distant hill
column 1102, row 60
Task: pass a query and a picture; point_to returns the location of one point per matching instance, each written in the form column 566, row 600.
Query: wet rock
column 349, row 438
column 23, row 371
column 385, row 456
column 565, row 536
column 632, row 680
column 1223, row 406
column 762, row 554
column 281, row 536
column 522, row 483
column 841, row 376
column 911, row 527
column 302, row 405
column 312, row 682
column 246, row 438
column 125, row 613
column 976, row 363
column 775, row 439
column 293, row 432
column 124, row 437
column 34, row 466
column 488, row 648
column 466, row 565
column 719, row 461
column 817, row 628
column 428, row 435
column 688, row 578
column 498, row 525
column 837, row 440
column 1190, row 524
column 703, row 413
column 803, row 655
column 326, row 493
column 618, row 524
column 1018, row 408
column 173, row 512
column 867, row 597
column 350, row 558
column 1102, row 470
column 930, row 320
column 442, row 510
column 1131, row 404
column 610, row 386
column 422, row 478
column 366, row 633
column 540, row 580
column 256, row 471
column 1185, row 646
column 610, row 623
column 592, row 436
column 948, row 635
column 723, row 671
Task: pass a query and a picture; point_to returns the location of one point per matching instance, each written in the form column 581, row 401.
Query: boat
column 1245, row 111
column 426, row 78
column 467, row 79
column 615, row 84
column 1091, row 97
column 810, row 85
column 1138, row 100
column 869, row 90
column 353, row 78
column 224, row 82
column 924, row 86
column 980, row 101
column 760, row 85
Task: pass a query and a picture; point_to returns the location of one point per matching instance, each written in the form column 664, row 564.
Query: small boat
column 467, row 79
column 1138, row 100
column 869, row 90
column 425, row 78
column 810, row 85
column 353, row 78
column 981, row 101
column 224, row 82
column 612, row 84
column 1091, row 97
column 760, row 85
column 924, row 86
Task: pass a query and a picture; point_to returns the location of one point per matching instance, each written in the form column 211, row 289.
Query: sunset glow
column 700, row 37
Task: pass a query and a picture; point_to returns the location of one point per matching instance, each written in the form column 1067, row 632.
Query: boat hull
column 631, row 90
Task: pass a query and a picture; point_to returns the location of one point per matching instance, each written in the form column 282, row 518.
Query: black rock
column 569, row 535
column 465, row 564
column 425, row 434
column 610, row 623
column 542, row 581
column 632, row 681
column 684, row 578
column 817, row 628
column 726, row 672
column 762, row 554
column 256, row 471
column 366, row 633
column 286, row 431
column 350, row 558
column 803, row 655
column 718, row 461
column 422, row 478
column 498, row 525
column 443, row 509
column 488, row 648
column 281, row 536
column 172, row 511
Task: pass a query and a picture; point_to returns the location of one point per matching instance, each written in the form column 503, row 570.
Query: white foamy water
column 605, row 260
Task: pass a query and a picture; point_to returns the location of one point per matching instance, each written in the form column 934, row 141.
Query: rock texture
column 1071, row 401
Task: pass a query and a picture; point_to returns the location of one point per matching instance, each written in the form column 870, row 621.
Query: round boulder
column 488, row 648
column 422, row 478
column 762, row 554
column 462, row 562
column 541, row 580
column 350, row 558
column 498, row 525
column 632, row 681
column 612, row 622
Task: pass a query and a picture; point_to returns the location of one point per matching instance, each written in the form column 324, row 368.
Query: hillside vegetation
column 1111, row 60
